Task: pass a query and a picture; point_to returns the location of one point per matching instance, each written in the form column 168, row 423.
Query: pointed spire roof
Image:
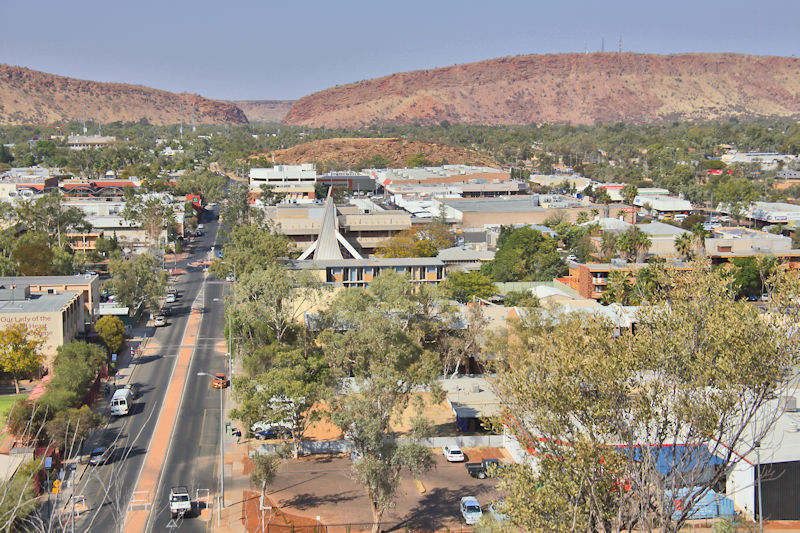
column 327, row 243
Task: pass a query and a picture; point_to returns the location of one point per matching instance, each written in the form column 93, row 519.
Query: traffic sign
column 56, row 487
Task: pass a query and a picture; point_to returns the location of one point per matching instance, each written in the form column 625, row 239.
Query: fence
column 276, row 526
column 343, row 446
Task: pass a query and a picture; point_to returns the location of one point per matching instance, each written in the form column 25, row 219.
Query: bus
column 121, row 402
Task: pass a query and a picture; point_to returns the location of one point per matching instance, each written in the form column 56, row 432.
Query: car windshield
column 455, row 450
column 472, row 508
column 180, row 498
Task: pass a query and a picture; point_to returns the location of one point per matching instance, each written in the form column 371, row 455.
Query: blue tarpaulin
column 711, row 505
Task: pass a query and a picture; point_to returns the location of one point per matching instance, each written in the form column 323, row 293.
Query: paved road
column 108, row 488
column 193, row 457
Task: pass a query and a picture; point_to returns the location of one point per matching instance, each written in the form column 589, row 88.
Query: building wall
column 480, row 219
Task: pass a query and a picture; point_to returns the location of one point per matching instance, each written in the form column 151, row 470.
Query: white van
column 121, row 402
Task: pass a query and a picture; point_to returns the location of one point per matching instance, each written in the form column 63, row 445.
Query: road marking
column 203, row 424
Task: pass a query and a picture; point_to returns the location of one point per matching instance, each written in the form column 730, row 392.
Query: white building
column 662, row 205
column 296, row 182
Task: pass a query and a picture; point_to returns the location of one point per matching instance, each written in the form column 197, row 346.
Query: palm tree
column 608, row 245
column 683, row 245
column 629, row 193
column 604, row 198
column 634, row 243
column 699, row 239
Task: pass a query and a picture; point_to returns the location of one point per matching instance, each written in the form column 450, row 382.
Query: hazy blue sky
column 250, row 49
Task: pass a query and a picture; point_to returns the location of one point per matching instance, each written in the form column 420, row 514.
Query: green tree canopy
column 136, row 281
column 463, row 286
column 524, row 254
column 20, row 350
column 112, row 332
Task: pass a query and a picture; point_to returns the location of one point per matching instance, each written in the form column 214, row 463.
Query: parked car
column 220, row 381
column 200, row 226
column 482, row 469
column 230, row 277
column 171, row 298
column 572, row 257
column 270, row 430
column 452, row 453
column 470, row 510
column 166, row 311
column 198, row 233
column 159, row 320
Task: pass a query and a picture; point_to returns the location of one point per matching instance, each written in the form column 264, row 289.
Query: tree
column 683, row 245
column 18, row 499
column 111, row 331
column 524, row 254
column 287, row 393
column 418, row 160
column 19, row 350
column 520, row 299
column 604, row 198
column 750, row 274
column 251, row 247
column 33, row 259
column 153, row 211
column 136, row 282
column 418, row 241
column 377, row 335
column 277, row 297
column 265, row 468
column 690, row 389
column 634, row 243
column 629, row 193
column 269, row 196
column 209, row 185
column 608, row 245
column 463, row 286
column 72, row 426
column 47, row 214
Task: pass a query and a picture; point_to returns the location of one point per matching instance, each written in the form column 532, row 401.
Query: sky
column 265, row 50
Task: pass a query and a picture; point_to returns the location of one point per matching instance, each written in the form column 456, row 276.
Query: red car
column 220, row 381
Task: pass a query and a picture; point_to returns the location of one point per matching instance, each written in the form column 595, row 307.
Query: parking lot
column 324, row 486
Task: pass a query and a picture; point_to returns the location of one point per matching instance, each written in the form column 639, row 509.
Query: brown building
column 590, row 280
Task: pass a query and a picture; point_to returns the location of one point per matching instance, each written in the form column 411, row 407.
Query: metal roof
column 48, row 280
column 39, row 303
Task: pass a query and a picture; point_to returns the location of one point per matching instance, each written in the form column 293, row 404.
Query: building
column 295, row 181
column 21, row 186
column 81, row 142
column 728, row 243
column 351, row 181
column 767, row 160
column 325, row 257
column 661, row 205
column 475, row 213
column 59, row 314
column 442, row 174
column 767, row 213
column 590, row 280
column 88, row 285
column 465, row 257
column 662, row 236
column 365, row 225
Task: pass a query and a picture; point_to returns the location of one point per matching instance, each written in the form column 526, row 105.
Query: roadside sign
column 48, row 462
column 56, row 487
column 113, row 357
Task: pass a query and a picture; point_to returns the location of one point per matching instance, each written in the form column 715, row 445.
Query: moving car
column 179, row 502
column 159, row 320
column 470, row 510
column 220, row 381
column 170, row 298
column 121, row 402
column 99, row 455
column 198, row 233
column 452, row 453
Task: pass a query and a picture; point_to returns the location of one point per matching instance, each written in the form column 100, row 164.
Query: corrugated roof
column 39, row 303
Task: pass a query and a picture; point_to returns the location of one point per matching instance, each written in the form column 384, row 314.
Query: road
column 193, row 457
column 108, row 488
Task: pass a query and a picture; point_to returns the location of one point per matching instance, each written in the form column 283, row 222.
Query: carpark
column 325, row 486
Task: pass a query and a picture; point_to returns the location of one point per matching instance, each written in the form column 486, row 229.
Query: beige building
column 88, row 285
column 480, row 212
column 59, row 315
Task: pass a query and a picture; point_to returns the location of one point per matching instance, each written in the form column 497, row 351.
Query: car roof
column 470, row 499
column 453, row 447
column 99, row 449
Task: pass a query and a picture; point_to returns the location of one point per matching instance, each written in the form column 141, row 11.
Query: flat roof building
column 86, row 284
column 59, row 315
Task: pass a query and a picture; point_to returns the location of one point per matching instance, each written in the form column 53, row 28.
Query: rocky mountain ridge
column 565, row 88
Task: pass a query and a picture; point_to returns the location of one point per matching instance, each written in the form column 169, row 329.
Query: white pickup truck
column 180, row 503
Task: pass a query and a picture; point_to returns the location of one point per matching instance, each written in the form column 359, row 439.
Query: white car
column 471, row 510
column 159, row 320
column 200, row 226
column 452, row 453
column 170, row 298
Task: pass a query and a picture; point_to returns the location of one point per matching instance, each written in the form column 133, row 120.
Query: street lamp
column 221, row 448
column 757, row 446
column 230, row 320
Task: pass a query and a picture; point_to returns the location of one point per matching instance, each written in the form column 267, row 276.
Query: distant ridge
column 566, row 88
column 264, row 110
column 33, row 97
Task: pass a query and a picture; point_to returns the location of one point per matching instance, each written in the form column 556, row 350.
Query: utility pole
column 181, row 113
column 84, row 120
